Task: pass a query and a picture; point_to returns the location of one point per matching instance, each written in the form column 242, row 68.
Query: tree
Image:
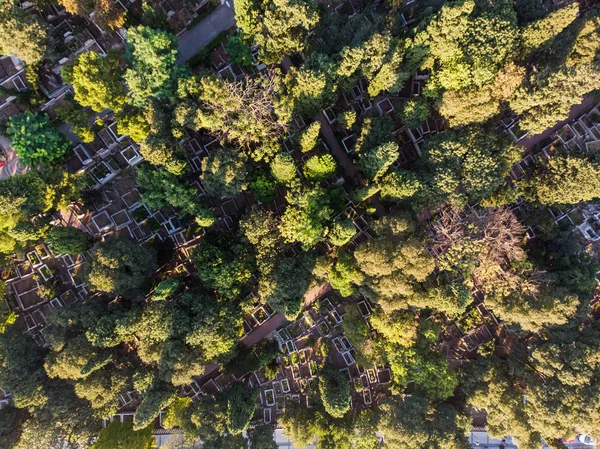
column 286, row 286
column 375, row 162
column 564, row 179
column 22, row 371
column 282, row 28
column 469, row 161
column 238, row 51
column 241, row 403
column 399, row 184
column 224, row 265
column 120, row 267
column 131, row 122
column 35, row 139
column 261, row 437
column 157, row 150
column 347, row 119
column 238, row 112
column 155, row 17
column 341, row 231
column 319, row 168
column 119, row 435
column 537, row 33
column 547, row 97
column 79, row 119
column 466, row 48
column 158, row 397
column 97, row 81
column 304, row 92
column 153, row 71
column 68, row 240
column 335, row 391
column 303, row 220
column 415, row 112
column 309, row 137
column 224, row 173
column 108, row 14
column 358, row 332
column 23, row 36
column 215, row 328
column 411, row 421
column 161, row 188
column 284, row 169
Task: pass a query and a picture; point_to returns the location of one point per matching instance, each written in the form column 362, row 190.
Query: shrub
column 341, row 232
column 347, row 119
column 283, row 168
column 264, row 188
column 35, row 139
column 308, row 138
column 415, row 112
column 68, row 240
column 319, row 168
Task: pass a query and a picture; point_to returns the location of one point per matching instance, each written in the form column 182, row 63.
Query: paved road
column 193, row 40
column 13, row 165
column 576, row 111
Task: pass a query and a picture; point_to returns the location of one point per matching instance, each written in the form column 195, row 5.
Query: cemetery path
column 13, row 165
column 576, row 111
column 277, row 320
column 345, row 161
column 192, row 41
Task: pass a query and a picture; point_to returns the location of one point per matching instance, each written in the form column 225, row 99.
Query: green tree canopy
column 68, row 240
column 153, row 71
column 120, row 266
column 241, row 403
column 97, row 81
column 119, row 435
column 35, row 139
column 335, row 391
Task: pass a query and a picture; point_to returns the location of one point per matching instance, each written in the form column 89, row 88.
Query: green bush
column 283, row 168
column 341, row 232
column 319, row 168
column 68, row 240
column 264, row 188
column 35, row 139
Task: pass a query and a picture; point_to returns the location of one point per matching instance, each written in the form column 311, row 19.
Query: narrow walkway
column 277, row 320
column 345, row 161
column 192, row 41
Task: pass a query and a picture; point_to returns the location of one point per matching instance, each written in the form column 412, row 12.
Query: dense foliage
column 361, row 220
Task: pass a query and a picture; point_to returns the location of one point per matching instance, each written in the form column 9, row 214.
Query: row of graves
column 12, row 78
column 582, row 135
column 409, row 140
column 302, row 343
column 460, row 340
column 41, row 283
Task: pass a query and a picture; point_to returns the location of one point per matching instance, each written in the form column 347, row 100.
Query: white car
column 585, row 439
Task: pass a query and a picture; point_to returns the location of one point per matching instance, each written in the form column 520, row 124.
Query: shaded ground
column 576, row 111
column 200, row 35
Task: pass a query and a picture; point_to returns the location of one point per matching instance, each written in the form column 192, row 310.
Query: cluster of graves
column 582, row 135
column 302, row 345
